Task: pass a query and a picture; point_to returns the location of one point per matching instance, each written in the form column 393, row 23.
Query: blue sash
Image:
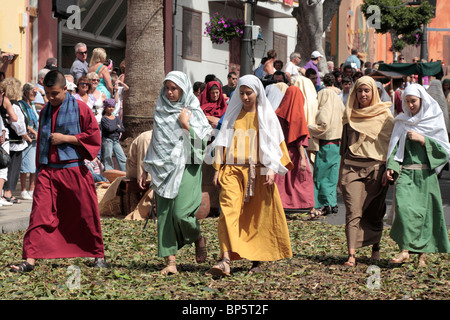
column 67, row 123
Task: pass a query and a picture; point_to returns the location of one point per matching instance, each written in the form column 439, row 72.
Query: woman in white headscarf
column 249, row 151
column 174, row 160
column 418, row 150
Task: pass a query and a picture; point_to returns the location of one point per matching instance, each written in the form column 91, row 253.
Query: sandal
column 375, row 252
column 222, row 268
column 23, row 267
column 326, row 210
column 256, row 267
column 401, row 258
column 168, row 270
column 349, row 263
column 12, row 199
column 314, row 214
column 422, row 260
column 200, row 250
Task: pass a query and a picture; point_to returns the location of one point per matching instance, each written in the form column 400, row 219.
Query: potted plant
column 221, row 29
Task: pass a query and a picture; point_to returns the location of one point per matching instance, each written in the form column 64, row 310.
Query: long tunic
column 65, row 220
column 177, row 223
column 255, row 230
column 363, row 194
column 296, row 188
column 419, row 224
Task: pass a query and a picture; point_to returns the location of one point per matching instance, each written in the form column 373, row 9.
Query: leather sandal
column 168, row 270
column 375, row 252
column 350, row 263
column 222, row 268
column 314, row 214
column 200, row 250
column 422, row 260
column 256, row 267
column 402, row 257
column 23, row 267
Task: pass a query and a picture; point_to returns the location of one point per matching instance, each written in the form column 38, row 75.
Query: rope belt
column 362, row 164
column 250, row 189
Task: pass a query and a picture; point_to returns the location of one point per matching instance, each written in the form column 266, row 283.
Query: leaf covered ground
column 315, row 272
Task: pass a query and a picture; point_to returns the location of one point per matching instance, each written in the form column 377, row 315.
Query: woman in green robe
column 418, row 150
column 174, row 160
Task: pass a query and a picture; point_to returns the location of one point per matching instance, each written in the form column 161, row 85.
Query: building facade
column 31, row 32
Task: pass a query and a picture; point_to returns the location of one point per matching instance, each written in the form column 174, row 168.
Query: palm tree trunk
column 144, row 61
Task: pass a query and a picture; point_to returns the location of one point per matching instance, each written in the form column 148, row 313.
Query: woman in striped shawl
column 174, row 161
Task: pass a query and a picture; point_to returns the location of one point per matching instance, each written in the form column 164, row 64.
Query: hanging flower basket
column 221, row 29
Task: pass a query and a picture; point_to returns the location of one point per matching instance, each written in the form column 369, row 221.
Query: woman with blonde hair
column 97, row 65
column 17, row 136
column 98, row 95
column 368, row 124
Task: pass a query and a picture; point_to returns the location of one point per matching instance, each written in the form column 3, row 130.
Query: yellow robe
column 255, row 230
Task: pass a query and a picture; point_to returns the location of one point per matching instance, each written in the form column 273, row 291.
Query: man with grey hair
column 293, row 68
column 80, row 66
column 40, row 99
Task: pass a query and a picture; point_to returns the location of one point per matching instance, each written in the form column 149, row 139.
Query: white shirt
column 292, row 69
column 19, row 127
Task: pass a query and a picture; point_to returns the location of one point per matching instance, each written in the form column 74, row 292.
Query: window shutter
column 192, row 34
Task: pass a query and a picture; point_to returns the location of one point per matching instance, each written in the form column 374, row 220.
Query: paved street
column 16, row 217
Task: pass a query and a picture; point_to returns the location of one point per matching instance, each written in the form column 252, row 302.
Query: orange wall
column 438, row 28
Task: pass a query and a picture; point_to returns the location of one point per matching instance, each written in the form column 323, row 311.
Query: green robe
column 177, row 222
column 419, row 224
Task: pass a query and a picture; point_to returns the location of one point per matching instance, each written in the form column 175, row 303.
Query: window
column 192, row 34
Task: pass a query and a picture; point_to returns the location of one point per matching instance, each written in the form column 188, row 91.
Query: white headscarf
column 270, row 132
column 429, row 122
column 275, row 95
column 169, row 149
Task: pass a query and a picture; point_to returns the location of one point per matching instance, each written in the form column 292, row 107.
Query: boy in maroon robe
column 64, row 220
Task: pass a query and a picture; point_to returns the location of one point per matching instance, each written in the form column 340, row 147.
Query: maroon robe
column 296, row 187
column 65, row 220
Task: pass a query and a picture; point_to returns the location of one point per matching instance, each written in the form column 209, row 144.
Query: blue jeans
column 109, row 147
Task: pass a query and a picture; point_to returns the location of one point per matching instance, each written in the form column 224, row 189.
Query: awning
column 421, row 68
column 385, row 76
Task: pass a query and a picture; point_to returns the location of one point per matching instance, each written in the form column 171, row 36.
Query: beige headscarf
column 309, row 92
column 374, row 123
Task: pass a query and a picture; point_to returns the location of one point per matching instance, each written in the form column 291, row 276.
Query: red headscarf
column 291, row 109
column 214, row 109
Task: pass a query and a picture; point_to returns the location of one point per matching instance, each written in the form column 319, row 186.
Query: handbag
column 5, row 158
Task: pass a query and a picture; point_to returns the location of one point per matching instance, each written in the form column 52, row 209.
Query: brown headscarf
column 291, row 109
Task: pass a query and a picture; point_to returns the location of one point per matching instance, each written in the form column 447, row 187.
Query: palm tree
column 144, row 61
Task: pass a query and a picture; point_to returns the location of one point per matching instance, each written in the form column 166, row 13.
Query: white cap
column 316, row 54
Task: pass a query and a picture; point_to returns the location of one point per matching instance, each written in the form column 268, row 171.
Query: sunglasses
column 84, row 52
column 84, row 84
column 95, row 80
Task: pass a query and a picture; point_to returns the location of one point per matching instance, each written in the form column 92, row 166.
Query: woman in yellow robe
column 252, row 223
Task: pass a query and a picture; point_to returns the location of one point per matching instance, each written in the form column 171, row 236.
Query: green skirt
column 177, row 224
column 419, row 224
